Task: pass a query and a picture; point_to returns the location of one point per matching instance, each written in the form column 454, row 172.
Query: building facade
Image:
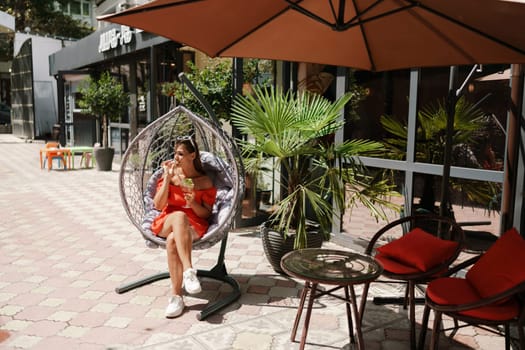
column 139, row 60
column 142, row 61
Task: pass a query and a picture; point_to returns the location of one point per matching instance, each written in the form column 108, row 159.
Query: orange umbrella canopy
column 374, row 35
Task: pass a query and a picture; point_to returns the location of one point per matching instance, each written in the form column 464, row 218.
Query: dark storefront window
column 406, row 111
column 386, row 95
column 171, row 61
column 143, row 92
column 74, row 7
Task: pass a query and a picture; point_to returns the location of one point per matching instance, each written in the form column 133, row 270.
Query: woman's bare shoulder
column 203, row 182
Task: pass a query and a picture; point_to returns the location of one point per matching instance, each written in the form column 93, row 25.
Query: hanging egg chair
column 141, row 168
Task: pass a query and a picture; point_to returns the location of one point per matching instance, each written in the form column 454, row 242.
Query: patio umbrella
column 375, row 35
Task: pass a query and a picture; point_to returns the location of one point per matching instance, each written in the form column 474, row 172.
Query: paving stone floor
column 66, row 243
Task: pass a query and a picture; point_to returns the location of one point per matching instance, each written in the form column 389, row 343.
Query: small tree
column 104, row 98
column 214, row 82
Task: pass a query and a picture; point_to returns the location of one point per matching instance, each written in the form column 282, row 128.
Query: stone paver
column 66, row 243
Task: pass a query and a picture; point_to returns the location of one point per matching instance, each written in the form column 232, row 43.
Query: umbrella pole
column 450, row 106
column 445, row 208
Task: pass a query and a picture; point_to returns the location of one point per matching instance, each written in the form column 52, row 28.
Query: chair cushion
column 419, row 249
column 395, row 266
column 501, row 267
column 458, row 291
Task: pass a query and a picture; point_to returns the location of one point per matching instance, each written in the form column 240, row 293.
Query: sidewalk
column 66, row 243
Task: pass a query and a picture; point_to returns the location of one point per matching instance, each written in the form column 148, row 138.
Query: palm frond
column 297, row 131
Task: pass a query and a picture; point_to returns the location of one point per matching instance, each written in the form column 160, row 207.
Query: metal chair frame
column 447, row 228
column 487, row 325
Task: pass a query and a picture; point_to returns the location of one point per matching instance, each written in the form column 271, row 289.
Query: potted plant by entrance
column 319, row 177
column 104, row 98
column 249, row 73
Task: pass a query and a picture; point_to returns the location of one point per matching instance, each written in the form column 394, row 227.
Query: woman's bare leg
column 174, row 265
column 178, row 224
column 179, row 240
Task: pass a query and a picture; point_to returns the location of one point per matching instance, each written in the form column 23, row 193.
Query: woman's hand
column 169, row 169
column 190, row 198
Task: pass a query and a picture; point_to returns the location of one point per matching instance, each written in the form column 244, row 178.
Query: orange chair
column 491, row 293
column 52, row 151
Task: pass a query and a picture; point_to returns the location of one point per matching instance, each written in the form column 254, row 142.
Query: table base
column 311, row 289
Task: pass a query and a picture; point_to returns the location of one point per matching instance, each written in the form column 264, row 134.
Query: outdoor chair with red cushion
column 489, row 295
column 414, row 250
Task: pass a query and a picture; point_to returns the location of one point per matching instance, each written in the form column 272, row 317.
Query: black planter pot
column 276, row 246
column 104, row 158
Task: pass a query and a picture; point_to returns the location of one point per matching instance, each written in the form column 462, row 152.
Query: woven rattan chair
column 141, row 167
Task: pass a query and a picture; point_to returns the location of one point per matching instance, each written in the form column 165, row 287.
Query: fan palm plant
column 297, row 131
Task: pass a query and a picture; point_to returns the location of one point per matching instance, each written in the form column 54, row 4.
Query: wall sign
column 113, row 38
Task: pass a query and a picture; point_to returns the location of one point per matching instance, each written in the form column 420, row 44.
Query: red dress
column 176, row 202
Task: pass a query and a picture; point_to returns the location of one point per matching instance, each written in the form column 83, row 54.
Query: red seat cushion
column 501, row 267
column 419, row 249
column 458, row 291
column 395, row 266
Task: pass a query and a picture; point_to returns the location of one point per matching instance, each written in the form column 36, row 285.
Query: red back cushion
column 419, row 249
column 501, row 267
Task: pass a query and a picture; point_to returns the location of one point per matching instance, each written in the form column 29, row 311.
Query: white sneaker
column 190, row 282
column 175, row 306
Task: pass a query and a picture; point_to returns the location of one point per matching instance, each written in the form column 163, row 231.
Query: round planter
column 275, row 245
column 104, row 158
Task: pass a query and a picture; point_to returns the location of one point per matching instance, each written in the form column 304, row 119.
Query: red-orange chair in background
column 52, row 151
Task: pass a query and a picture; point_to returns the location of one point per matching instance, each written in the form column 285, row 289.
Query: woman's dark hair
column 191, row 147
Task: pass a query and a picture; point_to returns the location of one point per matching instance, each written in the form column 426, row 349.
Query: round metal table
column 342, row 269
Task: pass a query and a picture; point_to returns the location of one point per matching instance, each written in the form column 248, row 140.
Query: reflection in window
column 142, row 91
column 86, row 9
column 471, row 144
column 74, row 8
column 478, row 141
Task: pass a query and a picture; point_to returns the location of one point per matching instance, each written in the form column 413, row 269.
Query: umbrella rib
column 339, row 23
column 363, row 34
column 341, row 12
column 440, row 34
column 357, row 20
column 332, row 8
column 473, row 29
column 294, row 5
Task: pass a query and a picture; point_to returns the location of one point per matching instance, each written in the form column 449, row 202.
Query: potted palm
column 318, row 177
column 106, row 99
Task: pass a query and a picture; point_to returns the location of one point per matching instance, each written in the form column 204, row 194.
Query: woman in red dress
column 183, row 217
